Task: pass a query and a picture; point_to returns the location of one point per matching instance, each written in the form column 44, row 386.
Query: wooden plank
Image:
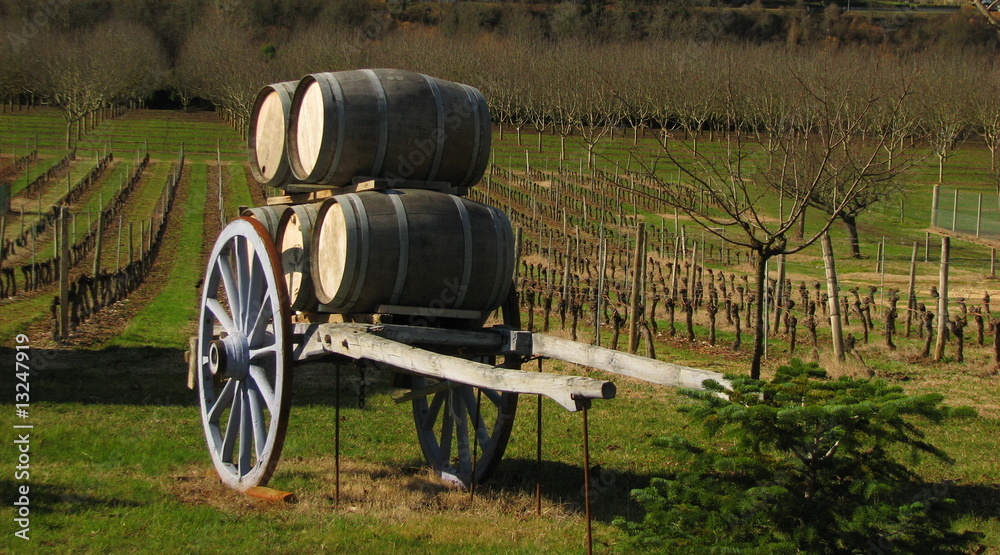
column 655, row 371
column 300, row 197
column 571, row 392
column 299, row 193
column 487, row 341
column 427, row 312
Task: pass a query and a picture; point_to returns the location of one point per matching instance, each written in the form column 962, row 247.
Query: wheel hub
column 229, row 357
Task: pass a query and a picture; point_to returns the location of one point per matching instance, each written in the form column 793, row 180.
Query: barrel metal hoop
column 383, row 121
column 404, row 246
column 439, row 132
column 338, row 97
column 463, row 288
column 474, row 161
column 507, row 277
column 501, row 262
column 364, row 243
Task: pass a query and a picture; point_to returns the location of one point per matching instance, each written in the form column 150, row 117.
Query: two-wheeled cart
column 401, row 272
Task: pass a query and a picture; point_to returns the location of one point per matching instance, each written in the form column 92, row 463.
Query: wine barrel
column 270, row 216
column 295, row 230
column 268, row 129
column 412, row 248
column 387, row 123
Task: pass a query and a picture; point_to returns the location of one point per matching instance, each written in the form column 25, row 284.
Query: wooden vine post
column 942, row 314
column 831, row 287
column 64, row 273
column 911, row 297
column 3, row 233
column 935, row 202
column 633, row 325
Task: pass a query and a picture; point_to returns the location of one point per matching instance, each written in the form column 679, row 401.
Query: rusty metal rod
column 475, row 444
column 538, row 451
column 586, row 481
column 336, row 441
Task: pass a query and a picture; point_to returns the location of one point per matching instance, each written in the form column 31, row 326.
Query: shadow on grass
column 972, row 500
column 563, row 484
column 53, row 499
column 158, row 376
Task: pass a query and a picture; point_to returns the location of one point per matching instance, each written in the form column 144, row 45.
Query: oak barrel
column 411, row 248
column 387, row 123
column 295, row 230
column 270, row 216
column 268, row 130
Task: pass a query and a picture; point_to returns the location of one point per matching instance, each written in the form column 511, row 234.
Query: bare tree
column 729, row 194
column 944, row 105
column 986, row 107
column 83, row 71
column 219, row 62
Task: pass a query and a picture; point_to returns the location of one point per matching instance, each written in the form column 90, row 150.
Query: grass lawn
column 119, row 461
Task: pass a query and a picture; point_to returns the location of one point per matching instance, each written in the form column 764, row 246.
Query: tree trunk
column 758, row 321
column 851, row 222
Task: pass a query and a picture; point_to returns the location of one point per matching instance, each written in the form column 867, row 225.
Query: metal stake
column 586, row 480
column 538, row 451
column 336, row 441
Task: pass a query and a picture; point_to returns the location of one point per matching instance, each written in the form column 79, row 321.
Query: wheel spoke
column 482, row 434
column 255, row 291
column 242, row 278
column 229, row 440
column 229, row 284
column 257, row 419
column 219, row 311
column 447, row 427
column 246, row 439
column 222, row 401
column 260, row 323
column 427, row 423
column 267, row 350
column 462, row 433
column 493, row 396
column 263, row 386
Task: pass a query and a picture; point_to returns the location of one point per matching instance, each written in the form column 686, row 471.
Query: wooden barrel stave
column 270, row 216
column 294, row 238
column 386, row 123
column 433, row 250
column 268, row 130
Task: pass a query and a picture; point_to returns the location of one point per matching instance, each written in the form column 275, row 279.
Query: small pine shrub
column 801, row 464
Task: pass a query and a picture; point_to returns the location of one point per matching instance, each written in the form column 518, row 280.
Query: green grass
column 121, row 463
column 166, row 322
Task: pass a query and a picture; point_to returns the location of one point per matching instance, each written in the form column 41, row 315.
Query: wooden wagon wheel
column 445, row 419
column 244, row 342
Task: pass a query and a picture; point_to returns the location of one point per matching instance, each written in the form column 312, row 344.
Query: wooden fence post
column 935, row 202
column 942, row 314
column 954, row 212
column 779, row 291
column 979, row 215
column 831, row 287
column 64, row 274
column 911, row 298
column 640, row 254
column 603, row 262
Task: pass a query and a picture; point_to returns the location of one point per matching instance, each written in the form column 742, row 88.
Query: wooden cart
column 462, row 378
